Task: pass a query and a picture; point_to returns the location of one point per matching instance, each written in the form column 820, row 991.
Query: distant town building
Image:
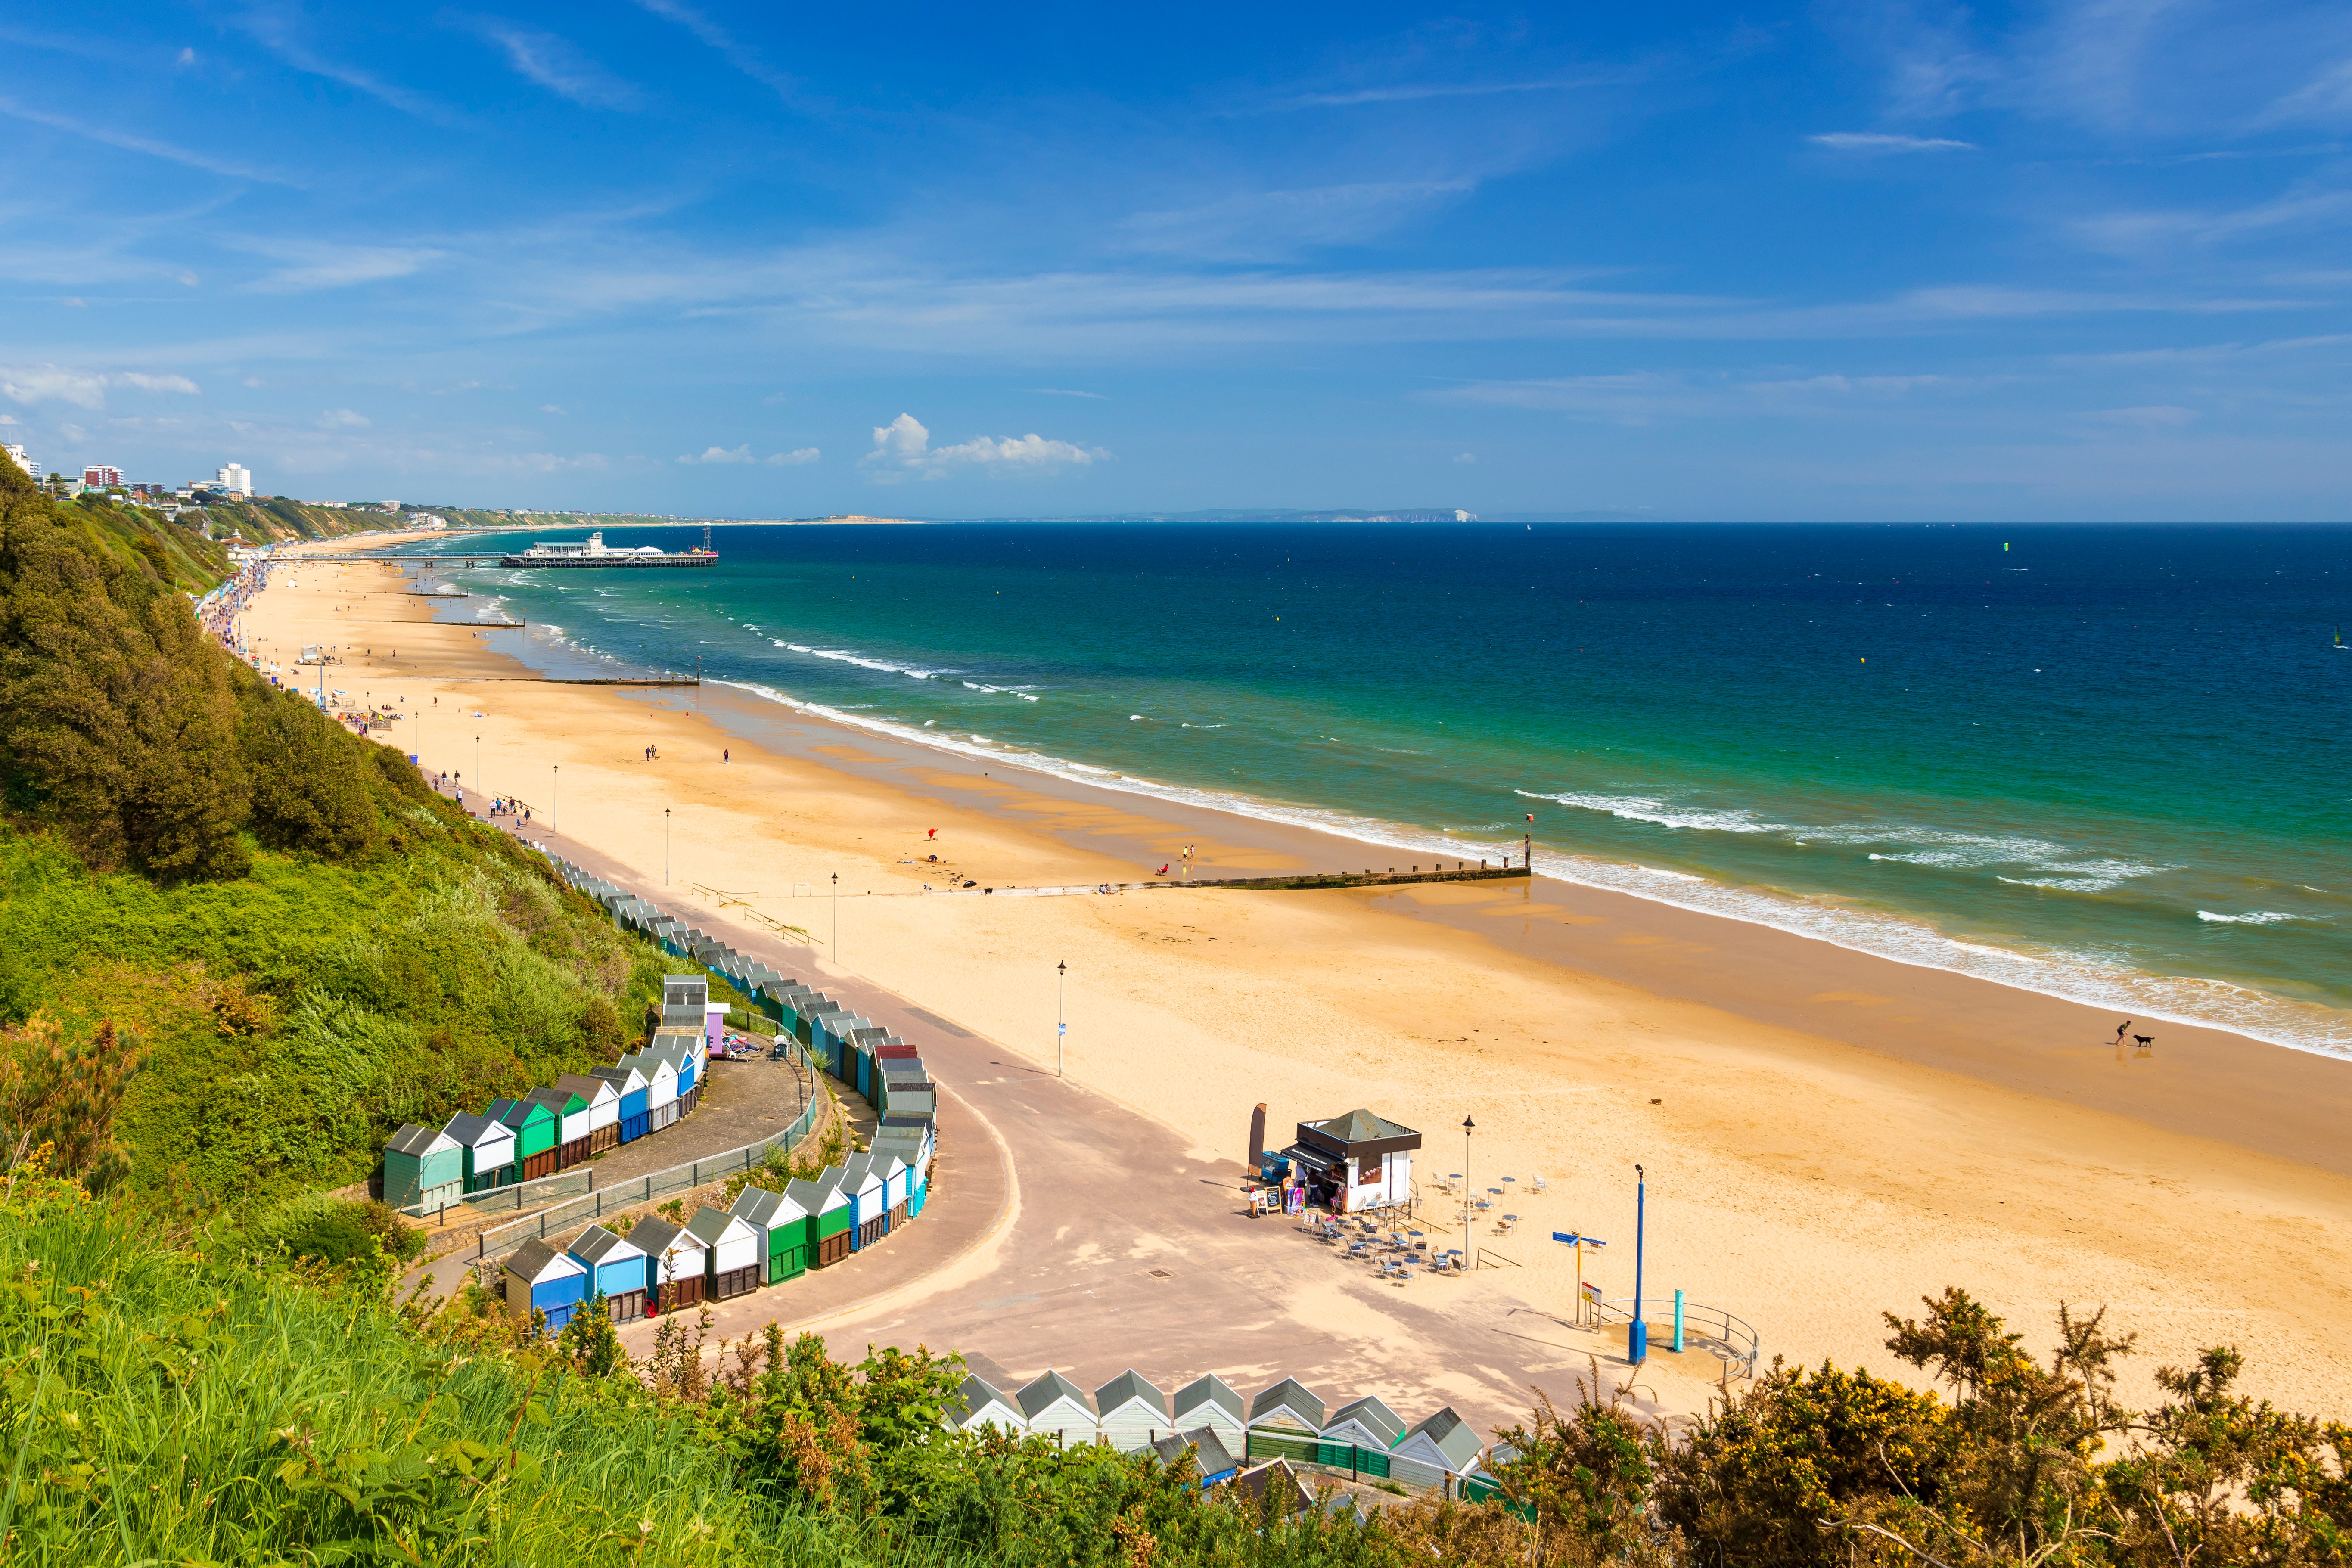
column 390, row 505
column 16, row 455
column 427, row 519
column 99, row 476
column 233, row 477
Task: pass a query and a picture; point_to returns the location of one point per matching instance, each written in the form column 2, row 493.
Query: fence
column 1703, row 1328
column 643, row 1189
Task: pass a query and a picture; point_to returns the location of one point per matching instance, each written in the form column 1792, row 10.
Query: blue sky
column 2072, row 260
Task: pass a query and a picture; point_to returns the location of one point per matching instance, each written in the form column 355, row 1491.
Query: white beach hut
column 1366, row 1424
column 1131, row 1412
column 1208, row 1401
column 661, row 1087
column 732, row 1247
column 1054, row 1406
column 981, row 1403
column 1436, row 1450
column 1289, row 1406
column 604, row 1109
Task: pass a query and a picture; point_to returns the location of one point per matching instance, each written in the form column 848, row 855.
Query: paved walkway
column 1067, row 1230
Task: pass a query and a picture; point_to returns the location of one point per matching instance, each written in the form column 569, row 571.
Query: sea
column 2104, row 763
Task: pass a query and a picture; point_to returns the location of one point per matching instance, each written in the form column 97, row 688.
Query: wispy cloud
column 82, row 388
column 554, row 63
column 721, row 456
column 795, row 458
column 1068, row 392
column 1887, row 142
column 339, row 266
column 1256, row 224
column 342, row 419
column 902, row 449
column 1410, row 92
column 109, row 136
column 739, row 55
column 276, row 29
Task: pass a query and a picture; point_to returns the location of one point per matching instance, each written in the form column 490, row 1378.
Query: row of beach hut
column 1285, row 1420
column 577, row 1117
column 766, row 1238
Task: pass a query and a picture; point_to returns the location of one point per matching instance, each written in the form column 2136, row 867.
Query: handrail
column 1731, row 1340
column 1484, row 1255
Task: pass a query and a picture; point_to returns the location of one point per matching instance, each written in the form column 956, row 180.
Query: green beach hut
column 536, row 1129
column 831, row 1213
column 784, row 1228
column 424, row 1168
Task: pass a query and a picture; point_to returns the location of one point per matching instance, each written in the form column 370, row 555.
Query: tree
column 63, row 1096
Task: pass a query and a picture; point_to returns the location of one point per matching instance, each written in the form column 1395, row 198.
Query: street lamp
column 1061, row 1025
column 555, row 776
column 478, row 763
column 1637, row 1332
column 665, row 846
column 836, row 917
column 1468, row 1127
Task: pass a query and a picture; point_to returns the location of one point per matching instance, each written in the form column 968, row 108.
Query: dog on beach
column 2144, row 1039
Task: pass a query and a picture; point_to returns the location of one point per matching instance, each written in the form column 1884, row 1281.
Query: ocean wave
column 1641, row 808
column 2259, row 918
column 2091, row 979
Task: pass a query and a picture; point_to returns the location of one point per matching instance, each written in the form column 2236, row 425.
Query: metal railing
column 1711, row 1329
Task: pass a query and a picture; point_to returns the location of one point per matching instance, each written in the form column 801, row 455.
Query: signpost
column 1585, row 1294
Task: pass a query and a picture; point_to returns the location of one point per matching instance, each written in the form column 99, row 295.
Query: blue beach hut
column 541, row 1279
column 636, row 1115
column 618, row 1271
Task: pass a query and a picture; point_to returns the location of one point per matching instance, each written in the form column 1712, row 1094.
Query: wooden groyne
column 1365, row 878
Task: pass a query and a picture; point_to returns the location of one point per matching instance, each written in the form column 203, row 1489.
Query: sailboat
column 2341, row 646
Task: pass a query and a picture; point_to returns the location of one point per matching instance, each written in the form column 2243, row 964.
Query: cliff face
column 275, row 519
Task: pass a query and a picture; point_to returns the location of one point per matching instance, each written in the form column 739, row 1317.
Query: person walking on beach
column 2121, row 1029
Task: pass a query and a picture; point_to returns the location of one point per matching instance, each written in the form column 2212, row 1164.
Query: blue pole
column 1637, row 1332
column 1678, row 1322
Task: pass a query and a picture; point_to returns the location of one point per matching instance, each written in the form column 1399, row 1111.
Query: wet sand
column 1826, row 1133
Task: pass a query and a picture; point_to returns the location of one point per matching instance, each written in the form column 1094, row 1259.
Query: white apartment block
column 16, row 455
column 234, row 477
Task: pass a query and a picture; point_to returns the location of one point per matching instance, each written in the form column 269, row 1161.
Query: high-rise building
column 16, row 455
column 99, row 476
column 234, row 477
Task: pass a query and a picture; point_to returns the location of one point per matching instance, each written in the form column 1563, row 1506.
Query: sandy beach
column 1826, row 1134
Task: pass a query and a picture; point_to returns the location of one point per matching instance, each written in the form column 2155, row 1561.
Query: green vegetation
column 287, row 942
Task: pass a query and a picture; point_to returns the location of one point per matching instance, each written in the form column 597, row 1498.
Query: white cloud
column 741, row 454
column 341, row 419
column 82, row 388
column 9, row 419
column 1280, row 222
column 741, row 56
column 903, row 448
column 1067, row 392
column 1467, row 458
column 1882, row 142
column 795, row 458
column 556, row 65
column 186, row 58
column 339, row 266
column 551, row 408
column 128, row 142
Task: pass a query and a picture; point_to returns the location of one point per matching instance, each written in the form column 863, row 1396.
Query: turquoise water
column 2104, row 762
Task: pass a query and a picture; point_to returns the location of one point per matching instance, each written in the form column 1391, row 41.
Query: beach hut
column 604, row 1109
column 831, row 1213
column 1054, row 1406
column 783, row 1228
column 979, row 1404
column 488, row 1145
column 424, row 1168
column 541, row 1279
column 570, row 1111
column 1357, row 1162
column 1208, row 1401
column 635, row 1119
column 731, row 1249
column 1200, row 1456
column 894, row 1081
column 866, row 1187
column 617, row 1269
column 1433, row 1451
column 536, row 1129
column 685, row 990
column 917, row 1102
column 661, row 1087
column 683, row 1048
column 1365, row 1423
column 908, row 1149
column 714, row 1023
column 1131, row 1412
column 1290, row 1495
column 675, row 1264
column 1287, row 1407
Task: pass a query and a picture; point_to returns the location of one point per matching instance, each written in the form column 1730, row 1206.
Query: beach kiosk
column 1211, row 1402
column 541, row 1279
column 1054, row 1406
column 1131, row 1412
column 1289, row 1407
column 868, row 1188
column 535, row 1128
column 676, row 1266
column 604, row 1109
column 1356, row 1162
column 424, row 1168
column 489, row 1147
column 661, row 1087
column 571, row 1113
column 783, row 1230
column 616, row 1271
column 1435, row 1451
column 632, row 1090
column 731, row 1251
column 830, row 1211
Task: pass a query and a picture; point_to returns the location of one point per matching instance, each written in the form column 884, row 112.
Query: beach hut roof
column 760, row 1206
column 621, row 1076
column 562, row 1101
column 1209, row 1392
column 1276, row 1475
column 1201, row 1448
column 974, row 1397
column 419, row 1140
column 536, row 1262
column 472, row 1131
column 1290, row 1397
column 1374, row 1416
column 1046, row 1389
column 660, row 1238
column 597, row 1244
column 1126, row 1388
column 814, row 1194
column 710, row 1227
column 1450, row 1438
column 590, row 1089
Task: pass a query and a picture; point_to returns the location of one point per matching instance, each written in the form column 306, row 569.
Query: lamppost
column 836, row 917
column 554, row 777
column 665, row 846
column 1061, row 1025
column 1468, row 1127
column 478, row 763
column 1637, row 1332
